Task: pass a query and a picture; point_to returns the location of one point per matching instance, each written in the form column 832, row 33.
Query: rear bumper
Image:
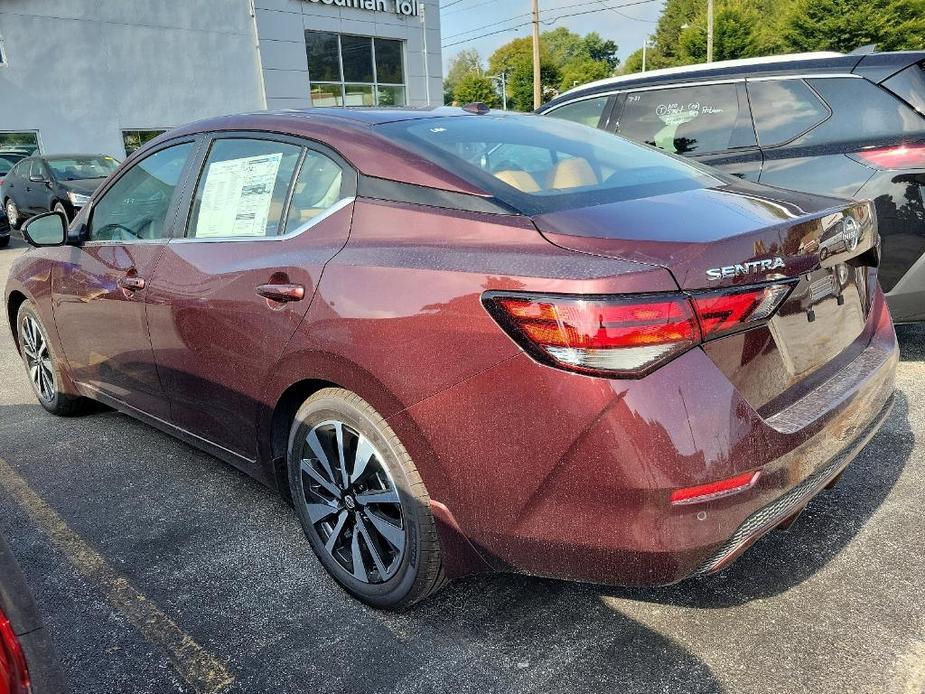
column 561, row 475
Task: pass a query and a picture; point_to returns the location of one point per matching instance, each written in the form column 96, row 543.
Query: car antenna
column 476, row 107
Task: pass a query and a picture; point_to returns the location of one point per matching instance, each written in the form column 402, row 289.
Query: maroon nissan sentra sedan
column 464, row 341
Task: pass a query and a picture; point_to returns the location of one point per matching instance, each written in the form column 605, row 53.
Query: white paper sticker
column 237, row 195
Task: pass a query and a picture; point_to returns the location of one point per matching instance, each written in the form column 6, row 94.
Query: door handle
column 132, row 284
column 282, row 292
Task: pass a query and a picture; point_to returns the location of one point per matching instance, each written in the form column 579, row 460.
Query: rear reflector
column 715, row 490
column 900, row 157
column 723, row 312
column 14, row 677
column 627, row 336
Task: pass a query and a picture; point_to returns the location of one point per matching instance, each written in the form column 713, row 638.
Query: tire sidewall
column 56, row 404
column 326, row 408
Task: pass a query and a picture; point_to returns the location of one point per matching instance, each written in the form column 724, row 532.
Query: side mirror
column 49, row 229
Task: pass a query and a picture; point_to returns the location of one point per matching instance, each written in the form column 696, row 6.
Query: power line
column 547, row 22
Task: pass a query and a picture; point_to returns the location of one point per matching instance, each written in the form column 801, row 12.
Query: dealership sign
column 405, row 8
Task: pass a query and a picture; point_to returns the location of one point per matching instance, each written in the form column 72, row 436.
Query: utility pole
column 709, row 31
column 645, row 45
column 537, row 87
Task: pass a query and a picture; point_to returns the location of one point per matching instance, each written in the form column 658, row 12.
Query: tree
column 654, row 61
column 843, row 25
column 734, row 35
column 462, row 64
column 475, row 87
column 582, row 70
column 516, row 59
column 566, row 58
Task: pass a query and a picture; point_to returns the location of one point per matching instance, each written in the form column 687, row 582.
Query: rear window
column 861, row 112
column 909, row 85
column 538, row 164
column 685, row 120
column 784, row 109
column 587, row 111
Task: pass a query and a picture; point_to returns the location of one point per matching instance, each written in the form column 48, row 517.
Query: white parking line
column 201, row 670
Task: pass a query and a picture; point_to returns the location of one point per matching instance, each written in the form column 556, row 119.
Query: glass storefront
column 348, row 70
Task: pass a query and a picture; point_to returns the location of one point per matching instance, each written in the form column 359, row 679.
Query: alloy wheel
column 12, row 213
column 38, row 359
column 352, row 502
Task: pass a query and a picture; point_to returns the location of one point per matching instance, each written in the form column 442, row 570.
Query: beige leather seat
column 521, row 180
column 572, row 173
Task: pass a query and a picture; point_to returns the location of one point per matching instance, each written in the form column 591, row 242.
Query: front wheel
column 61, row 209
column 12, row 214
column 361, row 502
column 42, row 365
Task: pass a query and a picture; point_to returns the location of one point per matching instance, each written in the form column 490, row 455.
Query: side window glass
column 683, row 120
column 243, row 188
column 861, row 111
column 136, row 206
column 586, row 112
column 784, row 109
column 318, row 187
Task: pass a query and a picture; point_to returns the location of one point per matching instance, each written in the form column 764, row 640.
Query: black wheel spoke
column 351, row 502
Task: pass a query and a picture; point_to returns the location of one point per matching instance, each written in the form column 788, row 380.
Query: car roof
column 351, row 132
column 876, row 66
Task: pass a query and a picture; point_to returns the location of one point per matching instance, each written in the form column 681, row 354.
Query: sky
column 627, row 23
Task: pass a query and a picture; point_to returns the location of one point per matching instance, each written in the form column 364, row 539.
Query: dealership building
column 104, row 76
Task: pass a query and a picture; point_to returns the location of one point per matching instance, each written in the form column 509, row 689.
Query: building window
column 21, row 142
column 135, row 139
column 347, row 70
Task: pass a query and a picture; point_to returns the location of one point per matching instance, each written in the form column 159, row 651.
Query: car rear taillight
column 14, row 677
column 899, row 157
column 626, row 336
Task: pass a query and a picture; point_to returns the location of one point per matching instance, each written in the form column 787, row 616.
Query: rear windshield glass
column 538, row 164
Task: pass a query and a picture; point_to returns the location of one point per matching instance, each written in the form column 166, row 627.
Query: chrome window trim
column 703, row 83
column 130, row 242
column 336, row 207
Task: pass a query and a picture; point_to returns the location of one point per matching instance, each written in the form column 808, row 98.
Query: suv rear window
column 684, row 120
column 909, row 85
column 784, row 109
column 538, row 164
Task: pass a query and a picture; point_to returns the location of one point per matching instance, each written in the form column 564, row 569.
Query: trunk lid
column 743, row 234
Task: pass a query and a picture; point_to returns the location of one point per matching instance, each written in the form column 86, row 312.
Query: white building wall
column 81, row 71
column 281, row 26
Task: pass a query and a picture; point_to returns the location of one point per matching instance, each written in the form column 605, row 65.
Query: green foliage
column 745, row 28
column 475, row 87
column 734, row 26
column 566, row 58
column 580, row 71
column 654, row 61
column 843, row 25
column 461, row 65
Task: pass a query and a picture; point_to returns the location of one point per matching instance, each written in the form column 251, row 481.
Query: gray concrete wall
column 281, row 26
column 81, row 71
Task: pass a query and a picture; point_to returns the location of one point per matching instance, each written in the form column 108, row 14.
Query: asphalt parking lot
column 161, row 569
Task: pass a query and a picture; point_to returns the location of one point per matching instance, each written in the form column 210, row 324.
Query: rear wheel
column 4, row 241
column 361, row 502
column 42, row 365
column 12, row 214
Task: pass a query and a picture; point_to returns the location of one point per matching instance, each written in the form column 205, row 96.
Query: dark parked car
column 464, row 341
column 62, row 183
column 27, row 660
column 846, row 125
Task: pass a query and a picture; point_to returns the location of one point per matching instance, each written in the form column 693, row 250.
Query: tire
column 4, row 241
column 12, row 214
column 394, row 533
column 60, row 208
column 44, row 373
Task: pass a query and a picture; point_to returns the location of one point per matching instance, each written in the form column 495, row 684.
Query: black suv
column 63, row 183
column 845, row 125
